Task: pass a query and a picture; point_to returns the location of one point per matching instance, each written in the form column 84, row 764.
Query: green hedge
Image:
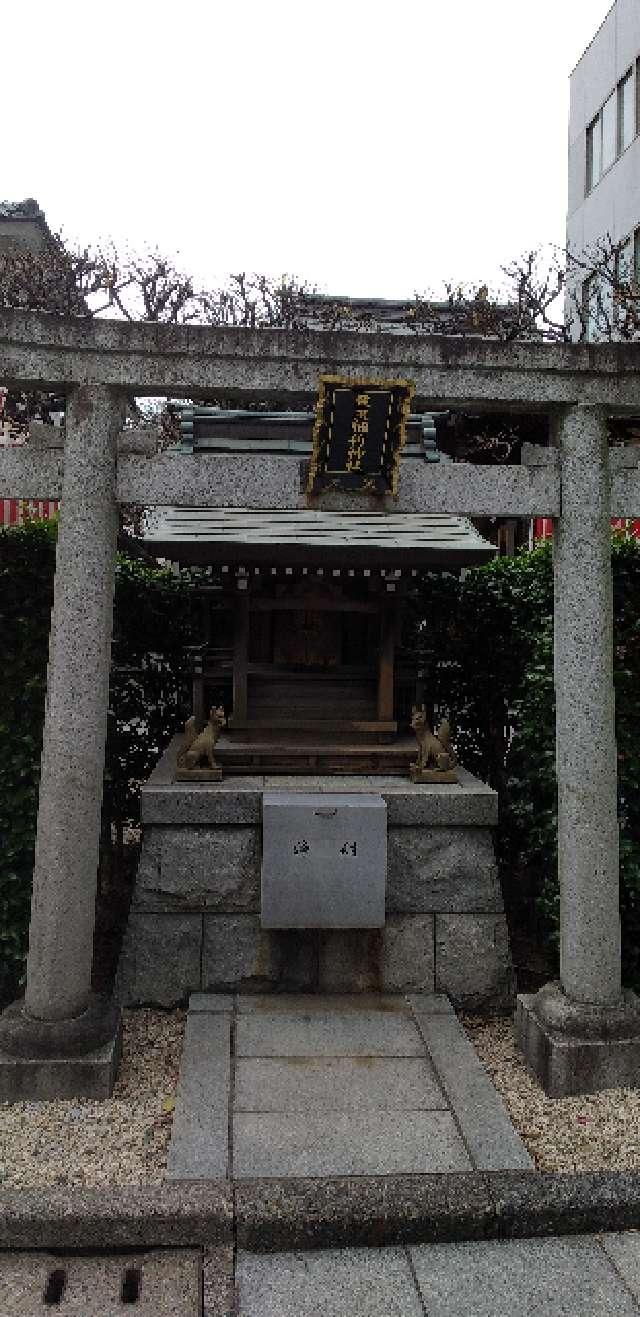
column 147, row 701
column 486, row 645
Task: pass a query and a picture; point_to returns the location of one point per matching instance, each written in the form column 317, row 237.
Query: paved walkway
column 285, row 1086
column 598, row 1276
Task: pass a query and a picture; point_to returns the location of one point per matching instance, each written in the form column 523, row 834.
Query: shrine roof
column 302, row 535
column 299, row 536
column 207, row 428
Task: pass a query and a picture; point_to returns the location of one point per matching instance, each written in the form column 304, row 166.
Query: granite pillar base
column 41, row 1060
column 574, row 1048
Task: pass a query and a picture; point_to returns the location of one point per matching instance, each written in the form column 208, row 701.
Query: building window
column 597, row 308
column 594, row 152
column 626, row 112
column 610, row 298
column 614, row 127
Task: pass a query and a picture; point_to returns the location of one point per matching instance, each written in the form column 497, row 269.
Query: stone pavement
column 309, row 1086
column 555, row 1277
column 561, row 1277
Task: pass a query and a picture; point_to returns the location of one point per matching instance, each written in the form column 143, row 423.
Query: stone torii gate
column 580, row 1034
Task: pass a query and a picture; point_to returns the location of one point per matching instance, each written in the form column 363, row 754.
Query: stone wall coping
column 279, row 1215
column 238, row 800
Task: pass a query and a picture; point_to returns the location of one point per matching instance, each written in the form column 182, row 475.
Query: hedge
column 486, row 646
column 148, row 698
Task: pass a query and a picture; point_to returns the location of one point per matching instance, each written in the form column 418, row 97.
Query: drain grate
column 163, row 1282
column 55, row 1287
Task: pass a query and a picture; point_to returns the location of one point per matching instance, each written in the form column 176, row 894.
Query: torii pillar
column 62, row 1040
column 582, row 1034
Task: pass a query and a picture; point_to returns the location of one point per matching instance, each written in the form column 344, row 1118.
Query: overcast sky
column 370, row 148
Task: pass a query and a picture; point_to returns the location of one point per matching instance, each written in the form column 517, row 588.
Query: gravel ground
column 122, row 1140
column 597, row 1132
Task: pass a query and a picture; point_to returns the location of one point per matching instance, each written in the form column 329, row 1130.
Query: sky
column 371, row 149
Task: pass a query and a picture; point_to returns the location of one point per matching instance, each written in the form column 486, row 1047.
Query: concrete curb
column 129, row 1218
column 274, row 1215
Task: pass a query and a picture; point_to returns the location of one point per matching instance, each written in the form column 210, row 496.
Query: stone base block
column 160, row 960
column 45, row 1079
column 567, row 1064
column 473, row 961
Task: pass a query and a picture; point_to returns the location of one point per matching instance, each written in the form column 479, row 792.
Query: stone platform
column 195, row 915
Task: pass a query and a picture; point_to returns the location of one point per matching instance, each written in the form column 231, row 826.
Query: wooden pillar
column 386, row 661
column 240, row 656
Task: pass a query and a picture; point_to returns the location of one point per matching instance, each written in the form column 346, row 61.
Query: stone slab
column 341, row 1084
column 434, row 1003
column 332, row 1033
column 199, row 1147
column 473, row 961
column 348, row 1211
column 623, row 1250
column 235, row 950
column 293, row 1003
column 238, row 953
column 118, row 1218
column 199, row 868
column 167, row 1282
column 442, row 869
column 357, row 1282
column 48, row 1079
column 492, row 1141
column 324, row 860
column 237, row 800
column 340, row 1143
column 166, row 803
column 566, row 1066
column 408, row 960
column 397, row 958
column 520, row 1278
column 218, row 1288
column 211, row 1002
column 350, row 960
column 161, row 958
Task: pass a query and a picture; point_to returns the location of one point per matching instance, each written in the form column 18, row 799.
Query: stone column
column 59, row 1015
column 585, row 717
column 563, row 1028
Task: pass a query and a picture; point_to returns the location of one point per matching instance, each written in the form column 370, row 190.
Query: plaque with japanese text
column 358, row 435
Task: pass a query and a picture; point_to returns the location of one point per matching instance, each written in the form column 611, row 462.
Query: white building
column 604, row 151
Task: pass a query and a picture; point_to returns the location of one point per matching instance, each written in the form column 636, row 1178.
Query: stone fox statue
column 201, row 746
column 434, row 751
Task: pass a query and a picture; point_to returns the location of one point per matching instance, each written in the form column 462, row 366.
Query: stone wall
column 195, row 917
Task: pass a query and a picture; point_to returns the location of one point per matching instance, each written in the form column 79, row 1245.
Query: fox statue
column 434, row 751
column 201, row 746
